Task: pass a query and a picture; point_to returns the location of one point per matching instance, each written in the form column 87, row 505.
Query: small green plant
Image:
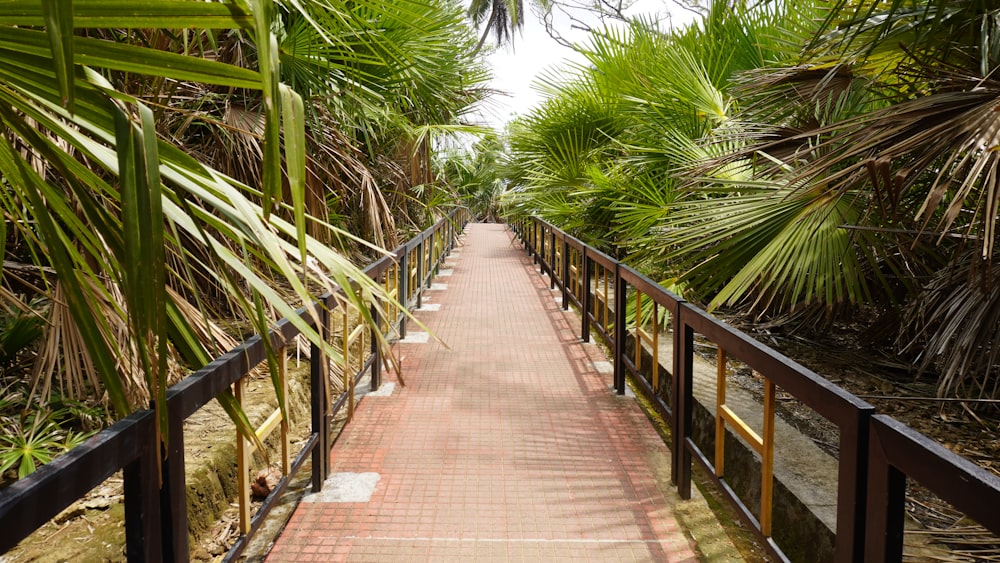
column 25, row 447
column 40, row 433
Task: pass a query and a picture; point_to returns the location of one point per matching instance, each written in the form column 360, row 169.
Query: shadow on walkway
column 509, row 445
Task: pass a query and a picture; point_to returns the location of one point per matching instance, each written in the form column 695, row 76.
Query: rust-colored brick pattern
column 507, row 445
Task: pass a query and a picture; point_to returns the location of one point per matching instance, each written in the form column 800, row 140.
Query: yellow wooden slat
column 390, row 291
column 363, row 352
column 245, row 449
column 579, row 278
column 720, row 421
column 345, row 367
column 361, row 361
column 242, row 465
column 358, row 331
column 265, row 429
column 645, row 336
column 286, row 450
column 742, row 428
column 638, row 331
column 604, row 306
column 656, row 346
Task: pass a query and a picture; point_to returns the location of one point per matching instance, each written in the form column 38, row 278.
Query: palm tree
column 502, row 18
column 601, row 156
column 123, row 229
column 475, row 173
column 915, row 160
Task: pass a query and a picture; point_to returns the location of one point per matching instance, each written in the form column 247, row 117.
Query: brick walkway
column 509, row 446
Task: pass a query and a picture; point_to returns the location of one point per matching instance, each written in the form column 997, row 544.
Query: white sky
column 516, row 67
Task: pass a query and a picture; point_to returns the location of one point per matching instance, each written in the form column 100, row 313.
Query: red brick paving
column 509, row 446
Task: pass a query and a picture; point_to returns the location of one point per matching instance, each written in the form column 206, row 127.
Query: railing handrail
column 872, row 447
column 156, row 517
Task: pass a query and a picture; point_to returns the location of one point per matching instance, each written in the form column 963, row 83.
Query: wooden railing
column 876, row 453
column 156, row 523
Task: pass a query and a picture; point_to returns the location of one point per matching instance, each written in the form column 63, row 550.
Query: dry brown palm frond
column 63, row 363
column 209, row 333
column 64, row 366
column 782, row 96
column 947, row 145
column 219, row 129
column 338, row 164
column 954, row 325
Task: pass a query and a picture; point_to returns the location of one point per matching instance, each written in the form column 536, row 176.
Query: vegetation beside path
column 794, row 166
column 176, row 176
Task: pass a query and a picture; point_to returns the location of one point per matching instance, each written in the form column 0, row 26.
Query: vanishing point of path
column 507, row 445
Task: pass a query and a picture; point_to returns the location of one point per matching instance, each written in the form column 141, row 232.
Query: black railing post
column 683, row 383
column 318, row 380
column 534, row 240
column 552, row 262
column 677, row 371
column 376, row 348
column 431, row 262
column 886, row 494
column 853, row 487
column 404, row 289
column 565, row 274
column 452, row 234
column 143, row 525
column 173, row 492
column 526, row 235
column 535, row 229
column 419, row 290
column 446, row 245
column 619, row 331
column 455, row 229
column 586, row 305
column 541, row 249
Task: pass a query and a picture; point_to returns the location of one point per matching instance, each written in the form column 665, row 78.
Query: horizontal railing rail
column 156, row 524
column 876, row 453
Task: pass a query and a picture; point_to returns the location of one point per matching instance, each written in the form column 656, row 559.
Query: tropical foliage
column 475, row 173
column 500, row 18
column 793, row 161
column 165, row 165
column 904, row 139
column 601, row 154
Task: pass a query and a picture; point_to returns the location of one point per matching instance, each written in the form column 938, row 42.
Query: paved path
column 509, row 446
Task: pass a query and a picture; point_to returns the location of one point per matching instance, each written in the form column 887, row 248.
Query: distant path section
column 508, row 444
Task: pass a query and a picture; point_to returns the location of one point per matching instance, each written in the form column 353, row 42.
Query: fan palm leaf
column 918, row 155
column 99, row 196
